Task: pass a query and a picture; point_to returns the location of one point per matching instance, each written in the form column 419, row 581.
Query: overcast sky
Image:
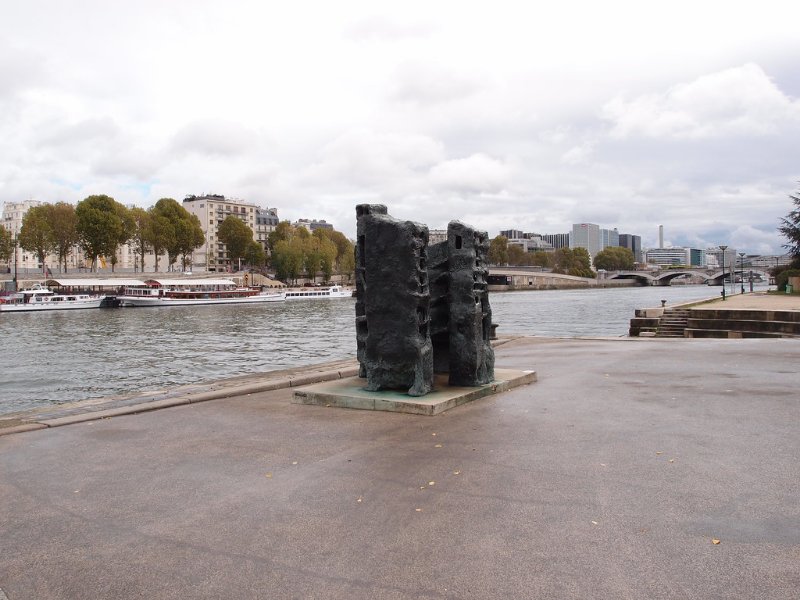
column 521, row 115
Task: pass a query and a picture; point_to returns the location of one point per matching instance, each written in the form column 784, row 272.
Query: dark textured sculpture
column 420, row 309
column 394, row 344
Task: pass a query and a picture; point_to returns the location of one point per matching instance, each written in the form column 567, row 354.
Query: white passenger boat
column 186, row 292
column 310, row 293
column 39, row 298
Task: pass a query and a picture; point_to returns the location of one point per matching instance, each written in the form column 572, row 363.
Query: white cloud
column 736, row 101
column 475, row 174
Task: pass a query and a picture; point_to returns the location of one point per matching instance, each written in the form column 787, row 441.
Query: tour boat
column 310, row 293
column 185, row 292
column 39, row 298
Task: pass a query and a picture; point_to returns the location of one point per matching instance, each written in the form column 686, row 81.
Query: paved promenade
column 757, row 300
column 612, row 477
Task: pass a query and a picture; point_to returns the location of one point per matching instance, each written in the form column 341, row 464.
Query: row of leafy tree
column 294, row 252
column 99, row 225
column 571, row 261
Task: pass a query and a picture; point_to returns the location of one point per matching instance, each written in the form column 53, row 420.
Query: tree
column 6, row 244
column 311, row 257
column 347, row 263
column 64, row 229
column 159, row 233
column 573, row 261
column 188, row 236
column 287, row 258
column 498, row 250
column 614, row 259
column 236, row 235
column 255, row 255
column 327, row 257
column 141, row 221
column 541, row 259
column 36, row 235
column 790, row 227
column 516, row 255
column 103, row 224
column 186, row 233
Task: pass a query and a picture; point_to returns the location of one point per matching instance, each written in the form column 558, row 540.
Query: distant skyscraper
column 632, row 243
column 660, row 236
column 586, row 235
column 557, row 240
column 609, row 238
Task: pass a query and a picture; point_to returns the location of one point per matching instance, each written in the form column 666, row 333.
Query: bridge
column 665, row 278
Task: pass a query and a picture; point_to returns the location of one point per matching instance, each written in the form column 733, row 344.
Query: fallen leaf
column 422, row 487
column 659, row 453
column 602, row 464
column 434, row 433
column 359, row 500
column 438, row 446
column 594, row 522
column 268, row 475
column 431, row 483
column 671, row 460
column 456, row 472
column 294, row 463
column 418, row 509
column 715, row 542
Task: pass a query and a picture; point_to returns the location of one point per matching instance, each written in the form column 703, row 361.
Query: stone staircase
column 743, row 323
column 672, row 323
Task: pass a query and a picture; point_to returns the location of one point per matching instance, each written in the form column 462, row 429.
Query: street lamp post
column 15, row 262
column 723, row 248
column 741, row 268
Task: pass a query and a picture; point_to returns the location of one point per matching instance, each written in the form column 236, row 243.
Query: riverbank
column 613, row 476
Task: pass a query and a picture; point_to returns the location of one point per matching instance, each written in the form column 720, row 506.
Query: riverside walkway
column 614, row 476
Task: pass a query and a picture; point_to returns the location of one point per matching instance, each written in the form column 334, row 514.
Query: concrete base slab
column 350, row 393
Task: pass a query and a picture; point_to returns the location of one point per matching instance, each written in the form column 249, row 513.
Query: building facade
column 212, row 210
column 632, row 243
column 689, row 257
column 312, row 224
column 586, row 235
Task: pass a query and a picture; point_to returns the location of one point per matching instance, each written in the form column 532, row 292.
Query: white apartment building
column 212, row 210
column 586, row 235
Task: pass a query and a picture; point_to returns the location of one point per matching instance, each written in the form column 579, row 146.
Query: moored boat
column 40, row 298
column 188, row 292
column 334, row 291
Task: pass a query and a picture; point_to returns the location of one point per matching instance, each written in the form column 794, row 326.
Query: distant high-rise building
column 632, row 243
column 609, row 238
column 586, row 235
column 513, row 234
column 556, row 240
column 689, row 257
column 660, row 236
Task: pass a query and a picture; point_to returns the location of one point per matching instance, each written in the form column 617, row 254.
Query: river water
column 50, row 358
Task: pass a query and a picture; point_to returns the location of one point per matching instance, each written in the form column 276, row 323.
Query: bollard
column 493, row 332
column 663, row 303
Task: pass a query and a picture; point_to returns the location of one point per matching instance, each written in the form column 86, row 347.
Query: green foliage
column 287, row 258
column 542, row 259
column 516, row 255
column 64, row 229
column 158, row 233
column 782, row 278
column 790, row 227
column 36, row 235
column 141, row 245
column 498, row 250
column 103, row 224
column 6, row 244
column 183, row 235
column 614, row 259
column 236, row 235
column 255, row 255
column 573, row 261
column 294, row 250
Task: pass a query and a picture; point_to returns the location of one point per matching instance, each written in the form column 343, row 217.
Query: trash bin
column 789, row 288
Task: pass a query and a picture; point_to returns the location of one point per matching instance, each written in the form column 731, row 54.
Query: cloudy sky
column 502, row 114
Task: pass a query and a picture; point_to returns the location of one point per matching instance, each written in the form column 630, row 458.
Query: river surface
column 50, row 358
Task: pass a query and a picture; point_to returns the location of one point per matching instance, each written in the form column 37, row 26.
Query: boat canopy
column 86, row 283
column 187, row 282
